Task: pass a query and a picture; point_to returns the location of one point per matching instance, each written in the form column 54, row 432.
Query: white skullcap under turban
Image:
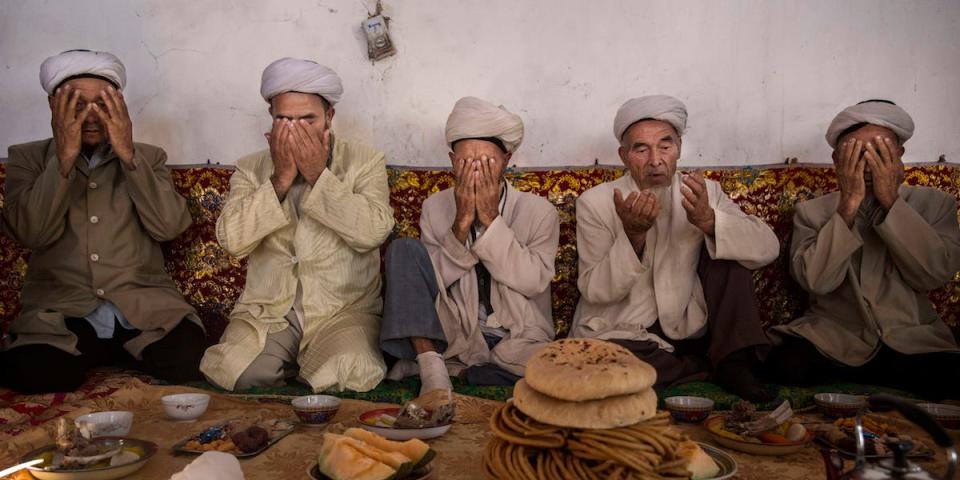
column 874, row 112
column 54, row 70
column 475, row 118
column 303, row 76
column 658, row 107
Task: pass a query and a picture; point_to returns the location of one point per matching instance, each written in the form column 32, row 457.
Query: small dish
column 372, row 421
column 755, row 448
column 185, row 406
column 689, row 409
column 839, row 405
column 422, row 473
column 947, row 415
column 104, row 424
column 315, row 410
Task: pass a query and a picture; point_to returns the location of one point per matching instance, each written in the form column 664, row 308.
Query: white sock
column 403, row 369
column 433, row 372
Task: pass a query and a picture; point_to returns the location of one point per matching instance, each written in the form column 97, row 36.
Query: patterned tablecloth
column 459, row 451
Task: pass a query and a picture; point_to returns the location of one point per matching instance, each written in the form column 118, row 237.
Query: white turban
column 475, row 118
column 54, row 70
column 658, row 107
column 874, row 112
column 303, row 76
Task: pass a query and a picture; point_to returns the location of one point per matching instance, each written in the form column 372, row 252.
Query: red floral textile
column 212, row 280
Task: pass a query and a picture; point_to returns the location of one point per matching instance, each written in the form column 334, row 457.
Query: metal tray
column 180, row 447
column 923, row 454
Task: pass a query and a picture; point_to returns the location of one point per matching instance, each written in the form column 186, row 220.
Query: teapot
column 897, row 467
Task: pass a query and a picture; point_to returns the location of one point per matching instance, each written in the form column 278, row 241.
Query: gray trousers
column 409, row 310
column 277, row 362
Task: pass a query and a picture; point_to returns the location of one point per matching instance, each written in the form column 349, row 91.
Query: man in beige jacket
column 309, row 214
column 665, row 259
column 475, row 293
column 93, row 206
column 868, row 254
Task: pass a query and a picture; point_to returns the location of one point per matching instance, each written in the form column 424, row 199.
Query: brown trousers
column 733, row 324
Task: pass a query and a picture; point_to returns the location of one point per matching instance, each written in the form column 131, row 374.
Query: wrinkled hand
column 281, row 153
column 487, row 191
column 311, row 150
column 464, row 192
column 66, row 123
column 850, row 166
column 697, row 203
column 886, row 167
column 117, row 122
column 637, row 212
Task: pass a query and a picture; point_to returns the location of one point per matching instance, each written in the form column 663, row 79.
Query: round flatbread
column 613, row 412
column 578, row 369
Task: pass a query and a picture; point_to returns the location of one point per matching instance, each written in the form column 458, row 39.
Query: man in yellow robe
column 309, row 214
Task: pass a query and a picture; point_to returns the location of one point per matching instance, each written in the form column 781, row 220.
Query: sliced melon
column 415, row 449
column 395, row 460
column 340, row 460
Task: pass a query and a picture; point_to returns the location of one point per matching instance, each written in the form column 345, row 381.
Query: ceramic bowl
column 689, row 409
column 839, row 405
column 185, row 406
column 946, row 415
column 105, row 424
column 315, row 410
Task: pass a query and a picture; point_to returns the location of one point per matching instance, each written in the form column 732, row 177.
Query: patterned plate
column 102, row 473
column 728, row 466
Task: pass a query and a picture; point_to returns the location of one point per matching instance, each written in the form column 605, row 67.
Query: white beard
column 664, row 196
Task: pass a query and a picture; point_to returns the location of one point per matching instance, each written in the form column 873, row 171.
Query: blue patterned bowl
column 315, row 410
column 689, row 409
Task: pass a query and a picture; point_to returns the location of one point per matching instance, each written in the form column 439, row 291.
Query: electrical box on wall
column 379, row 44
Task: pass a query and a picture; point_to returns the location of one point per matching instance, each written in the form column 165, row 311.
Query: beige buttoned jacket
column 95, row 235
column 868, row 284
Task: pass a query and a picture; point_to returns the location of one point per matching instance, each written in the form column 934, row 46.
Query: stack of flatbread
column 587, row 383
column 587, row 409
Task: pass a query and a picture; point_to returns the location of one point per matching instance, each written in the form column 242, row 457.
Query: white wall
column 761, row 79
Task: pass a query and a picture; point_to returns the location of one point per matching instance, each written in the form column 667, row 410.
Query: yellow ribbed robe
column 332, row 250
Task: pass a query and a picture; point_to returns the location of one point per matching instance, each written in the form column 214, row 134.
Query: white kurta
column 623, row 295
column 518, row 249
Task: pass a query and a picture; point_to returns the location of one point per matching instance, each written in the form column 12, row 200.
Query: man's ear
column 835, row 155
column 330, row 113
column 507, row 158
column 901, row 151
column 622, row 151
column 50, row 102
column 453, row 158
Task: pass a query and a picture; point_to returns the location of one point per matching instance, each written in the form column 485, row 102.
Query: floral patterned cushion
column 212, row 280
